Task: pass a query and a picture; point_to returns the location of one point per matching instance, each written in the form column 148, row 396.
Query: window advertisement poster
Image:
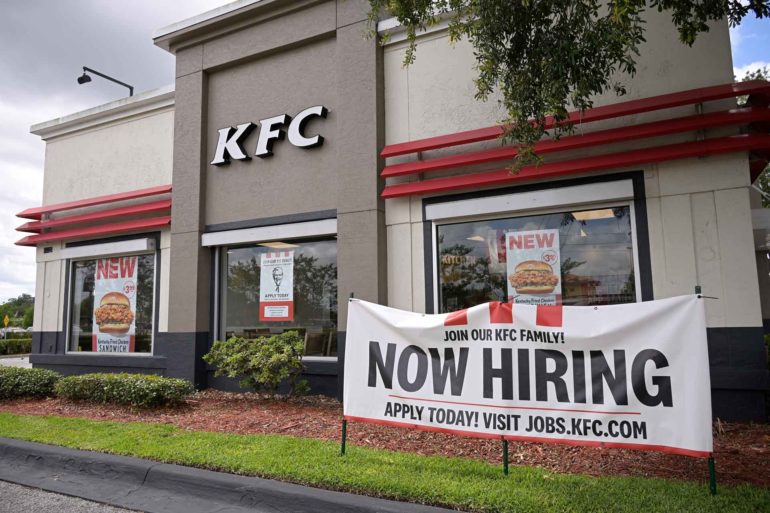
column 533, row 266
column 115, row 305
column 276, row 287
column 633, row 375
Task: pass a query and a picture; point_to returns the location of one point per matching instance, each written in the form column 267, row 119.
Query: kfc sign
column 230, row 142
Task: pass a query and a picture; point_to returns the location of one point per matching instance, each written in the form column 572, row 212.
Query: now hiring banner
column 633, row 375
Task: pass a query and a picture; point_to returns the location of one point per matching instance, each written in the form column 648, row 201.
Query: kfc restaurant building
column 295, row 163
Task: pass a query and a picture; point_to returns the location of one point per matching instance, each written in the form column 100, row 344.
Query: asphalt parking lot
column 17, row 498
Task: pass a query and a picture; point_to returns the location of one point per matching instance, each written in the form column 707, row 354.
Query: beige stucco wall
column 123, row 153
column 237, row 191
column 49, row 289
column 435, row 95
column 280, row 58
column 122, row 156
column 699, row 218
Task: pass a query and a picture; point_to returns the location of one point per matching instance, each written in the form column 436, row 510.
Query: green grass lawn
column 454, row 482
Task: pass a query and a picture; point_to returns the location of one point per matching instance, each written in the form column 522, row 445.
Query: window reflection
column 82, row 304
column 597, row 263
column 315, row 293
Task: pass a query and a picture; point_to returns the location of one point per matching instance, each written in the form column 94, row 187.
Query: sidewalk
column 154, row 487
column 16, row 360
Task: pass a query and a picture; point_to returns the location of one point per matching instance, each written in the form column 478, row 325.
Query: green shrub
column 15, row 346
column 18, row 382
column 263, row 363
column 143, row 390
column 13, row 335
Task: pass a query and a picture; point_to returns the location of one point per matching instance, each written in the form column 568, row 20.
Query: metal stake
column 505, row 457
column 345, row 422
column 712, row 467
column 344, row 436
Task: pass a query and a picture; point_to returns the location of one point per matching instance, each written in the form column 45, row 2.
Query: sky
column 45, row 43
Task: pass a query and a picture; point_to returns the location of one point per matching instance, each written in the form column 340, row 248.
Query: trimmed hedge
column 19, row 382
column 14, row 335
column 15, row 346
column 143, row 390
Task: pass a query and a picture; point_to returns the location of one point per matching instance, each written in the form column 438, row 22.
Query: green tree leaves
column 19, row 310
column 547, row 57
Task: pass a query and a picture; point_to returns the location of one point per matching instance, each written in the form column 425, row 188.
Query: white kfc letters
column 230, row 141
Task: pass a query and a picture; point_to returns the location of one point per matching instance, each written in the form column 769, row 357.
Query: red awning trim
column 93, row 231
column 754, row 87
column 583, row 165
column 604, row 137
column 144, row 208
column 38, row 212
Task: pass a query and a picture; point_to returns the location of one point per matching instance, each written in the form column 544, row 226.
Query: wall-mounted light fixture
column 85, row 78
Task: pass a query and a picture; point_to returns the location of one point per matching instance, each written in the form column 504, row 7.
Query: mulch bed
column 742, row 451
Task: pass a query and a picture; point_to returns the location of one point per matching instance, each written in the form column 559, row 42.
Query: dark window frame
column 69, row 291
column 219, row 285
column 639, row 219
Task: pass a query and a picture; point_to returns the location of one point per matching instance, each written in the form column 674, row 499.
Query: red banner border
column 515, row 438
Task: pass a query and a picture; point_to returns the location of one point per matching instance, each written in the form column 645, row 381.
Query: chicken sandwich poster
column 115, row 305
column 533, row 267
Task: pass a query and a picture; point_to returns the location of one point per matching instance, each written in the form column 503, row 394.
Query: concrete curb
column 153, row 487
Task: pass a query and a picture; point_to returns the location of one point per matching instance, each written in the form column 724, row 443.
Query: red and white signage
column 633, row 375
column 533, row 267
column 276, row 287
column 114, row 315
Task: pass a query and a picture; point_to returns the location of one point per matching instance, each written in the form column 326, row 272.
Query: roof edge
column 163, row 36
column 141, row 103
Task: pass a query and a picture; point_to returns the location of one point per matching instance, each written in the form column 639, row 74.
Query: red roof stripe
column 144, row 208
column 627, row 108
column 91, row 231
column 583, row 165
column 611, row 136
column 37, row 212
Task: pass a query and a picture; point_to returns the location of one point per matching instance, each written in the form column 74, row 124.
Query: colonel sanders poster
column 533, row 265
column 276, row 287
column 115, row 305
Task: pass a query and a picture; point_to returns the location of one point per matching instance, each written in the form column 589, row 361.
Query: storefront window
column 112, row 304
column 273, row 287
column 593, row 259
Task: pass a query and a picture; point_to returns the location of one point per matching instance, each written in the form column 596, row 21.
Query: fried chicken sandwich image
column 533, row 277
column 114, row 313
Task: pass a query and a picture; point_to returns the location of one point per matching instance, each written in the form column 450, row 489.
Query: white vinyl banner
column 633, row 375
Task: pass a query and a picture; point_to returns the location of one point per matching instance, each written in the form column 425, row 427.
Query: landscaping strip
column 153, row 487
column 453, row 482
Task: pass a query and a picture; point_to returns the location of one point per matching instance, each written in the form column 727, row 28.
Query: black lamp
column 85, row 78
